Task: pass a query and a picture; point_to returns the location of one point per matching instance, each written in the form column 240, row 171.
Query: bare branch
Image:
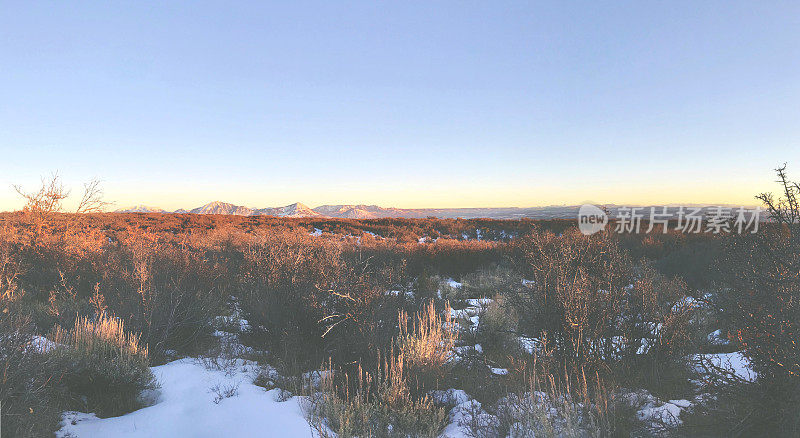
column 47, row 199
column 92, row 199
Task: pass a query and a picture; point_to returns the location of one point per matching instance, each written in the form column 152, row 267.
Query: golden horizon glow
column 408, row 198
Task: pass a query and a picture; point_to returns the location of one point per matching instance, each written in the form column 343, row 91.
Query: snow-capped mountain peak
column 140, row 209
column 293, row 210
column 219, row 207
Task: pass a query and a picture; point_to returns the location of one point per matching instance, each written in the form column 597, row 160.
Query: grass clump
column 572, row 406
column 104, row 368
column 393, row 400
column 426, row 343
column 379, row 404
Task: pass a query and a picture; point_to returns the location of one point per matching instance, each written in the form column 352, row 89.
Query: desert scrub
column 488, row 282
column 498, row 328
column 30, row 396
column 426, row 287
column 426, row 343
column 550, row 407
column 379, row 404
column 104, row 369
column 594, row 308
column 392, row 401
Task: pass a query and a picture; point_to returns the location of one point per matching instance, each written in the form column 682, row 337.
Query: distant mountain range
column 373, row 211
column 368, row 211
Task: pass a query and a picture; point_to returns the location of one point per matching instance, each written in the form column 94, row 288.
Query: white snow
column 667, row 414
column 185, row 407
column 450, row 396
column 531, row 345
column 716, row 338
column 735, row 363
column 478, row 302
column 42, row 344
column 655, row 412
column 454, row 284
column 460, row 414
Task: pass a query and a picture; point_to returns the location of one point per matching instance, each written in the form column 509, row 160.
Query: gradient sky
column 407, row 104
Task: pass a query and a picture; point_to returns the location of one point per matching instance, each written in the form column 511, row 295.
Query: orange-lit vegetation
column 540, row 309
column 314, row 297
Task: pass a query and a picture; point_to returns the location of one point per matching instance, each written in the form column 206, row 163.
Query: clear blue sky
column 408, row 104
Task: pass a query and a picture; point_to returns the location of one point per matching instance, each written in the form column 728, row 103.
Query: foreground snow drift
column 186, row 406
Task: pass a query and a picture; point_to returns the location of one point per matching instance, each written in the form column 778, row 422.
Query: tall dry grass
column 425, row 342
column 376, row 404
column 103, row 337
column 571, row 405
column 392, row 400
column 103, row 367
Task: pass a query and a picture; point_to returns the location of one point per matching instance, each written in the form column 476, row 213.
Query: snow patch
column 735, row 363
column 186, row 408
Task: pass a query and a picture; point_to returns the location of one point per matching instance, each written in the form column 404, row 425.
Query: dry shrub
column 425, row 287
column 572, row 406
column 592, row 308
column 392, row 401
column 104, row 369
column 283, row 282
column 167, row 293
column 426, row 343
column 497, row 330
column 30, row 394
column 573, row 299
column 490, row 281
column 298, row 290
column 760, row 302
column 378, row 404
column 10, row 270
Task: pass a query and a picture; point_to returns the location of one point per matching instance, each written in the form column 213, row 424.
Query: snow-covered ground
column 192, row 402
column 187, row 405
column 195, row 401
column 735, row 363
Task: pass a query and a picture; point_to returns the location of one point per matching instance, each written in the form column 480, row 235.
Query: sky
column 405, row 104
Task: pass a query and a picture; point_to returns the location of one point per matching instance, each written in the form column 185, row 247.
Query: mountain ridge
column 363, row 211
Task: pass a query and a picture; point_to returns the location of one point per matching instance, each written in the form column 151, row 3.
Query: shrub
column 393, row 400
column 573, row 408
column 573, row 296
column 488, row 282
column 380, row 405
column 104, row 368
column 498, row 327
column 311, row 298
column 741, row 408
column 425, row 287
column 426, row 343
column 592, row 308
column 168, row 294
column 30, row 395
column 760, row 301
